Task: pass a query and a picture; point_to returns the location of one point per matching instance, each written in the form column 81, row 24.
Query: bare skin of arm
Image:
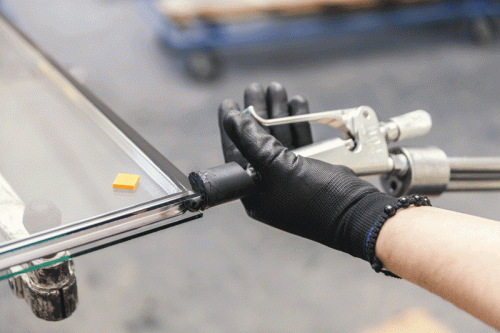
column 453, row 255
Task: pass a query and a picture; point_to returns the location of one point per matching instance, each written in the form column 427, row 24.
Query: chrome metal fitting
column 420, row 170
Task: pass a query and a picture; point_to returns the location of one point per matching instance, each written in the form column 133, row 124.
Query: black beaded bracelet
column 389, row 211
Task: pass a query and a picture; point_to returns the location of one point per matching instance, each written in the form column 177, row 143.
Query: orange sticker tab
column 126, row 181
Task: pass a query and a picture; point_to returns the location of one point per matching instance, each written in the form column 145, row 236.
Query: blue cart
column 200, row 43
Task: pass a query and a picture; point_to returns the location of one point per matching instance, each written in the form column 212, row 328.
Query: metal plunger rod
column 474, row 174
column 474, row 164
column 472, row 185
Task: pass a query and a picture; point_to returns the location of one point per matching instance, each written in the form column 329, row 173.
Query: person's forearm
column 453, row 255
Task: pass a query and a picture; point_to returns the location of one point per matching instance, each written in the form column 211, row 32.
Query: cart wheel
column 483, row 30
column 203, row 65
column 495, row 24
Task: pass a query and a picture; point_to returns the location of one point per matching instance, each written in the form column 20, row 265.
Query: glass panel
column 60, row 151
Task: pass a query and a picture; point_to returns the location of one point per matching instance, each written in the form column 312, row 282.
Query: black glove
column 325, row 203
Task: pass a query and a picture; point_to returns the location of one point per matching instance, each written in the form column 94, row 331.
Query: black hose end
column 198, row 185
column 195, row 205
column 222, row 184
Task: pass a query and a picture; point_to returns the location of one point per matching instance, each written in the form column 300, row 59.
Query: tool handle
column 224, row 183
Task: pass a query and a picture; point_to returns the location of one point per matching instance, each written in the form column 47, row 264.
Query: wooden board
column 186, row 12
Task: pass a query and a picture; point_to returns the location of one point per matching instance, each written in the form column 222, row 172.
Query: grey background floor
column 226, row 272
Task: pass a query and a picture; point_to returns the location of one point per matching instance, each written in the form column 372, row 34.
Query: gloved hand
column 326, row 203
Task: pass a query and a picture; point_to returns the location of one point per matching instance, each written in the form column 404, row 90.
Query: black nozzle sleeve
column 222, row 184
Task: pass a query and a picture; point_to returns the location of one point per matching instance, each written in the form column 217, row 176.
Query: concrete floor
column 226, row 272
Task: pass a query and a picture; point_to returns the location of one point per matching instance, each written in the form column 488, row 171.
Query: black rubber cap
column 222, row 184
